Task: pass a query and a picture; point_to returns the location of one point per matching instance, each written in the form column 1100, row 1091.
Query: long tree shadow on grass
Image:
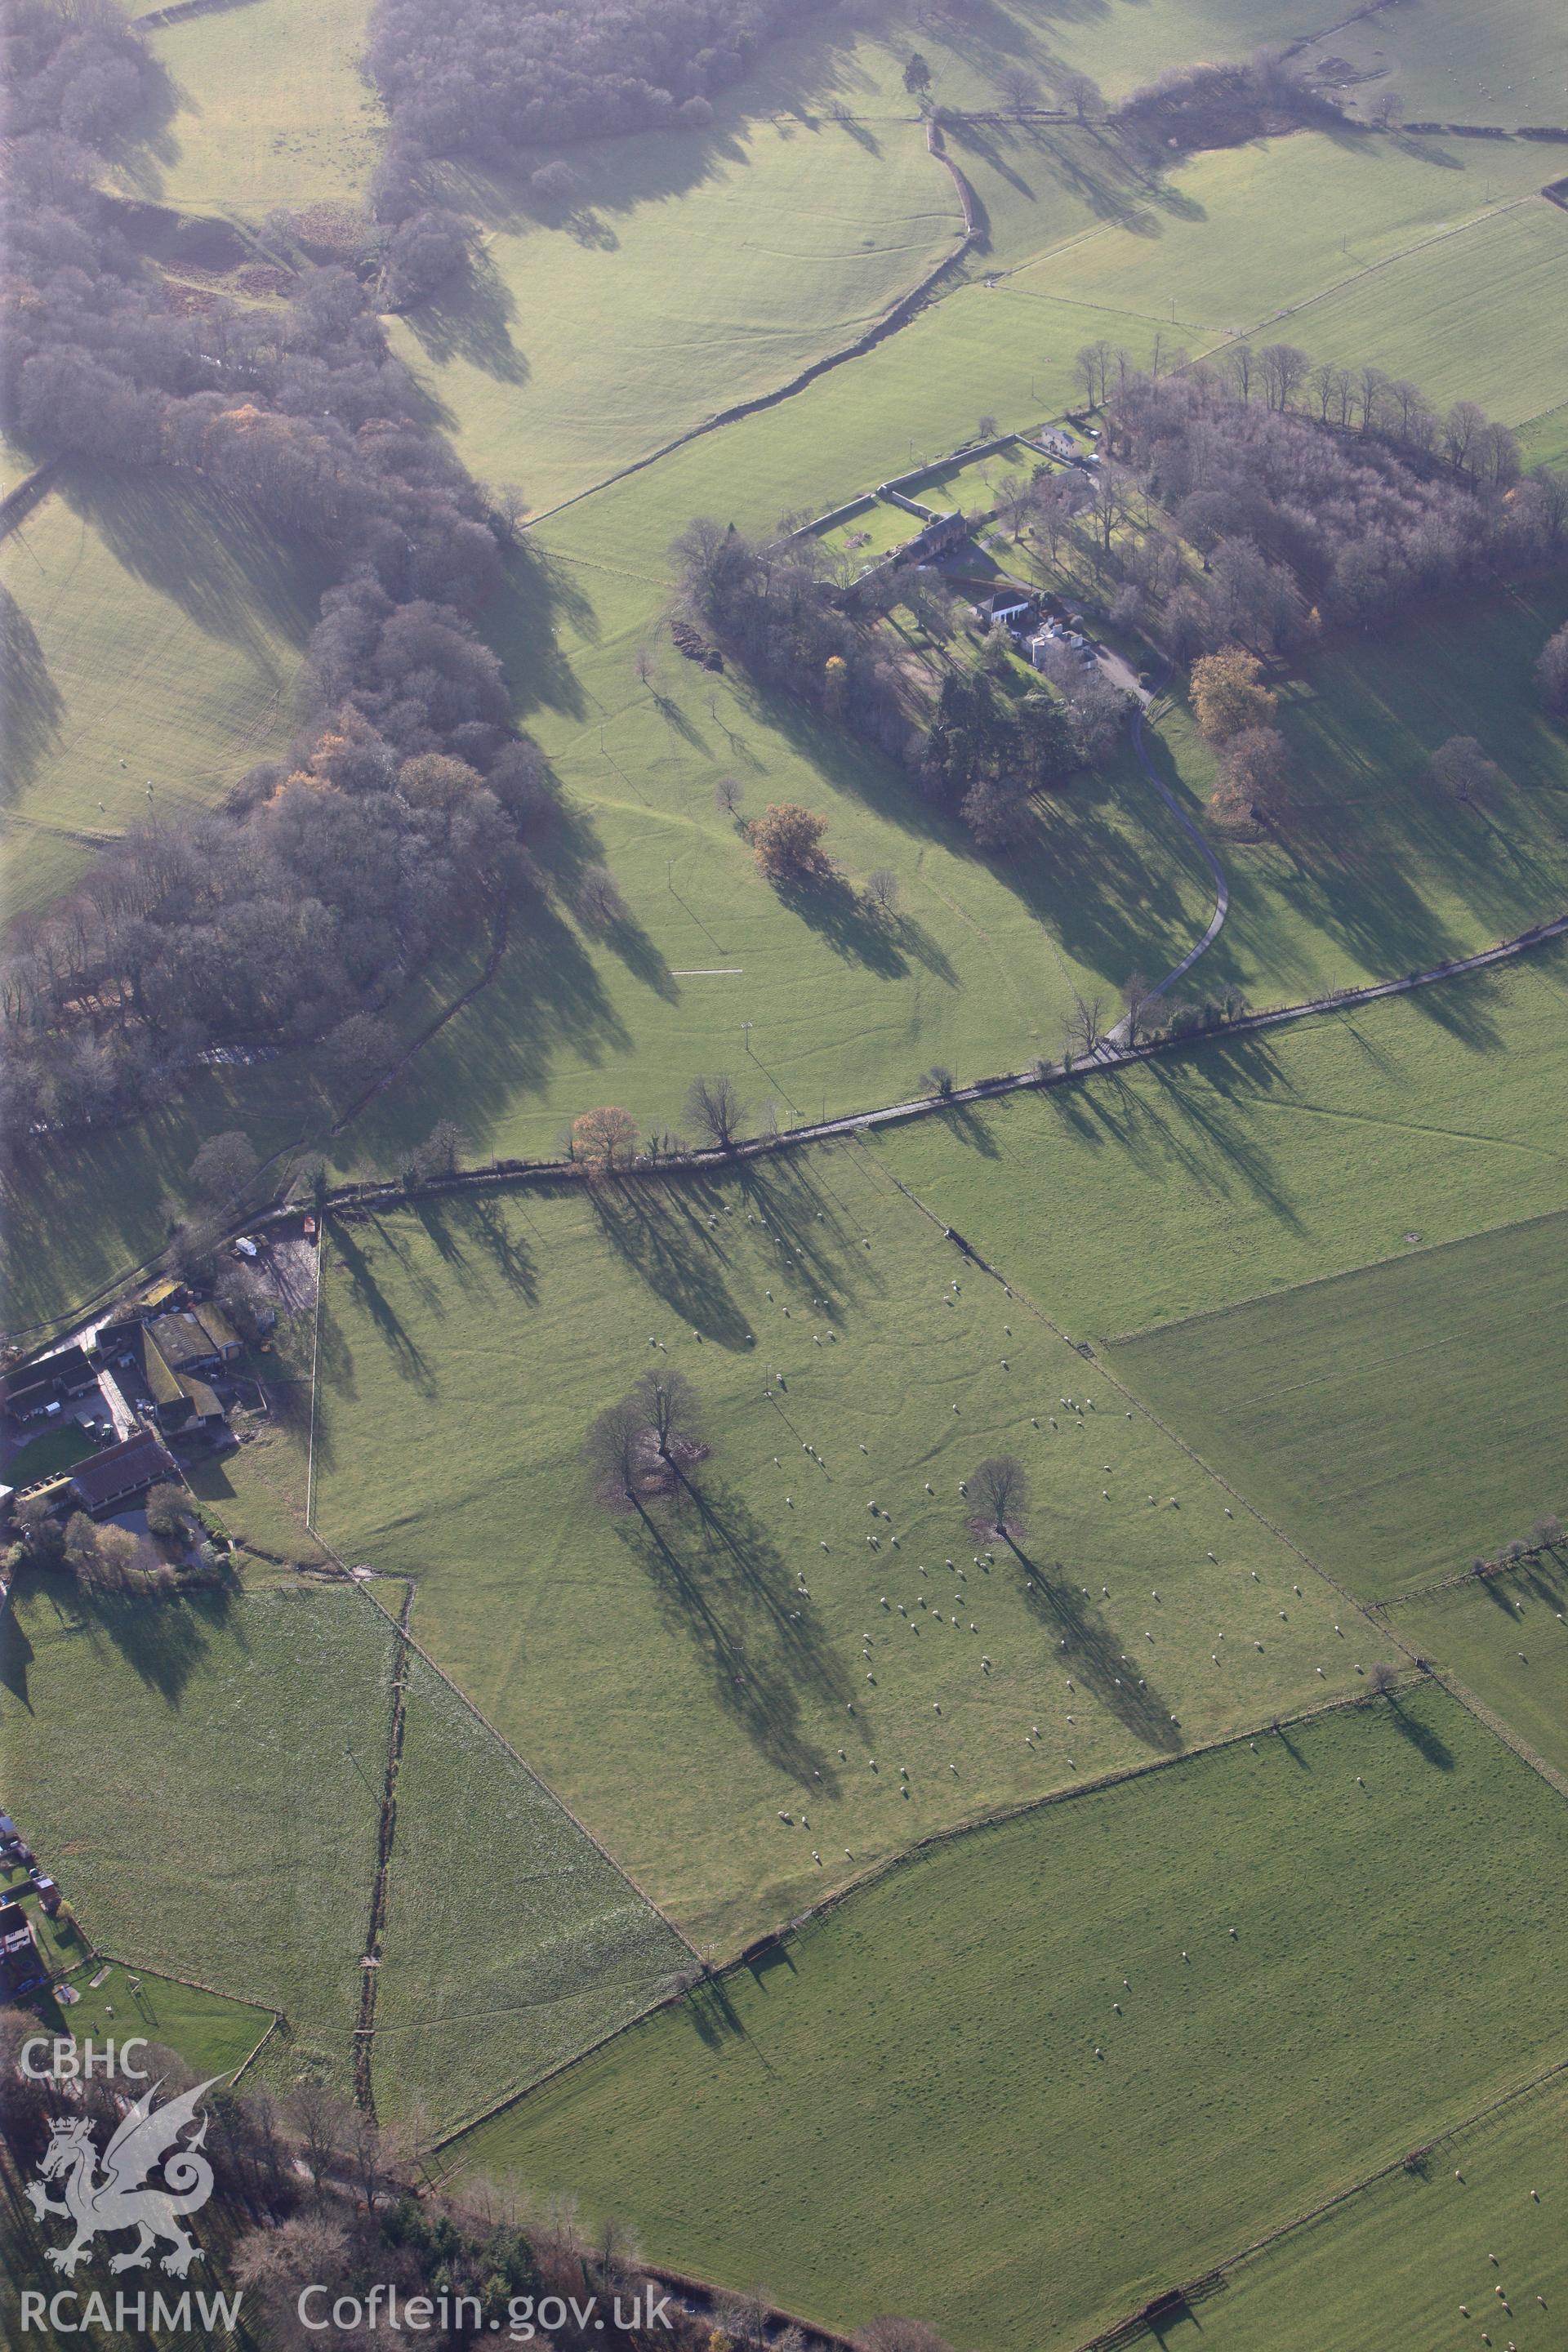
column 17, row 1655
column 816, row 1244
column 35, row 707
column 721, row 1582
column 410, row 1360
column 1105, row 874
column 1087, row 1644
column 470, row 318
column 203, row 550
column 662, row 1236
column 166, row 1642
column 1421, row 1736
column 863, row 934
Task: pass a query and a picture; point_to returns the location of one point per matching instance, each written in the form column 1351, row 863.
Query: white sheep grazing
column 862, row 1449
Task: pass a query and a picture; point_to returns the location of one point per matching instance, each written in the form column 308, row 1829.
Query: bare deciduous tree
column 999, row 1488
column 715, row 1109
column 882, row 889
column 671, row 1407
column 598, row 900
column 1084, row 1030
column 1137, row 996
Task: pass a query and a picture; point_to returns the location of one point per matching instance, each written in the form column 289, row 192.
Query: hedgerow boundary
column 543, row 1174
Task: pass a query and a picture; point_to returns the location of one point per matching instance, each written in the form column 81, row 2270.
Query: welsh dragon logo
column 118, row 2196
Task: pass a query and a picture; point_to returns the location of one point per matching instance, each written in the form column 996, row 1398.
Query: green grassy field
column 1392, row 1422
column 1122, row 45
column 211, row 2034
column 1543, row 441
column 205, row 1780
column 510, row 1943
column 613, row 1654
column 986, row 2139
column 1454, row 60
column 690, row 274
column 1269, row 226
column 1469, row 318
column 1249, row 1164
column 265, row 106
column 160, row 635
column 1505, row 1640
column 1396, row 2268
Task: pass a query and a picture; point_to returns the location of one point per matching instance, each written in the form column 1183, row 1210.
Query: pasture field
column 466, row 1348
column 689, row 274
column 1459, row 62
column 1505, row 1640
column 1543, row 441
column 1471, row 317
column 912, row 400
column 1122, row 45
column 1271, row 227
column 1392, row 1422
column 975, row 970
column 1249, row 1164
column 206, row 1779
column 158, row 638
column 1372, row 873
column 210, row 2034
column 1389, row 2270
column 265, row 106
column 941, row 2061
column 548, row 1950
